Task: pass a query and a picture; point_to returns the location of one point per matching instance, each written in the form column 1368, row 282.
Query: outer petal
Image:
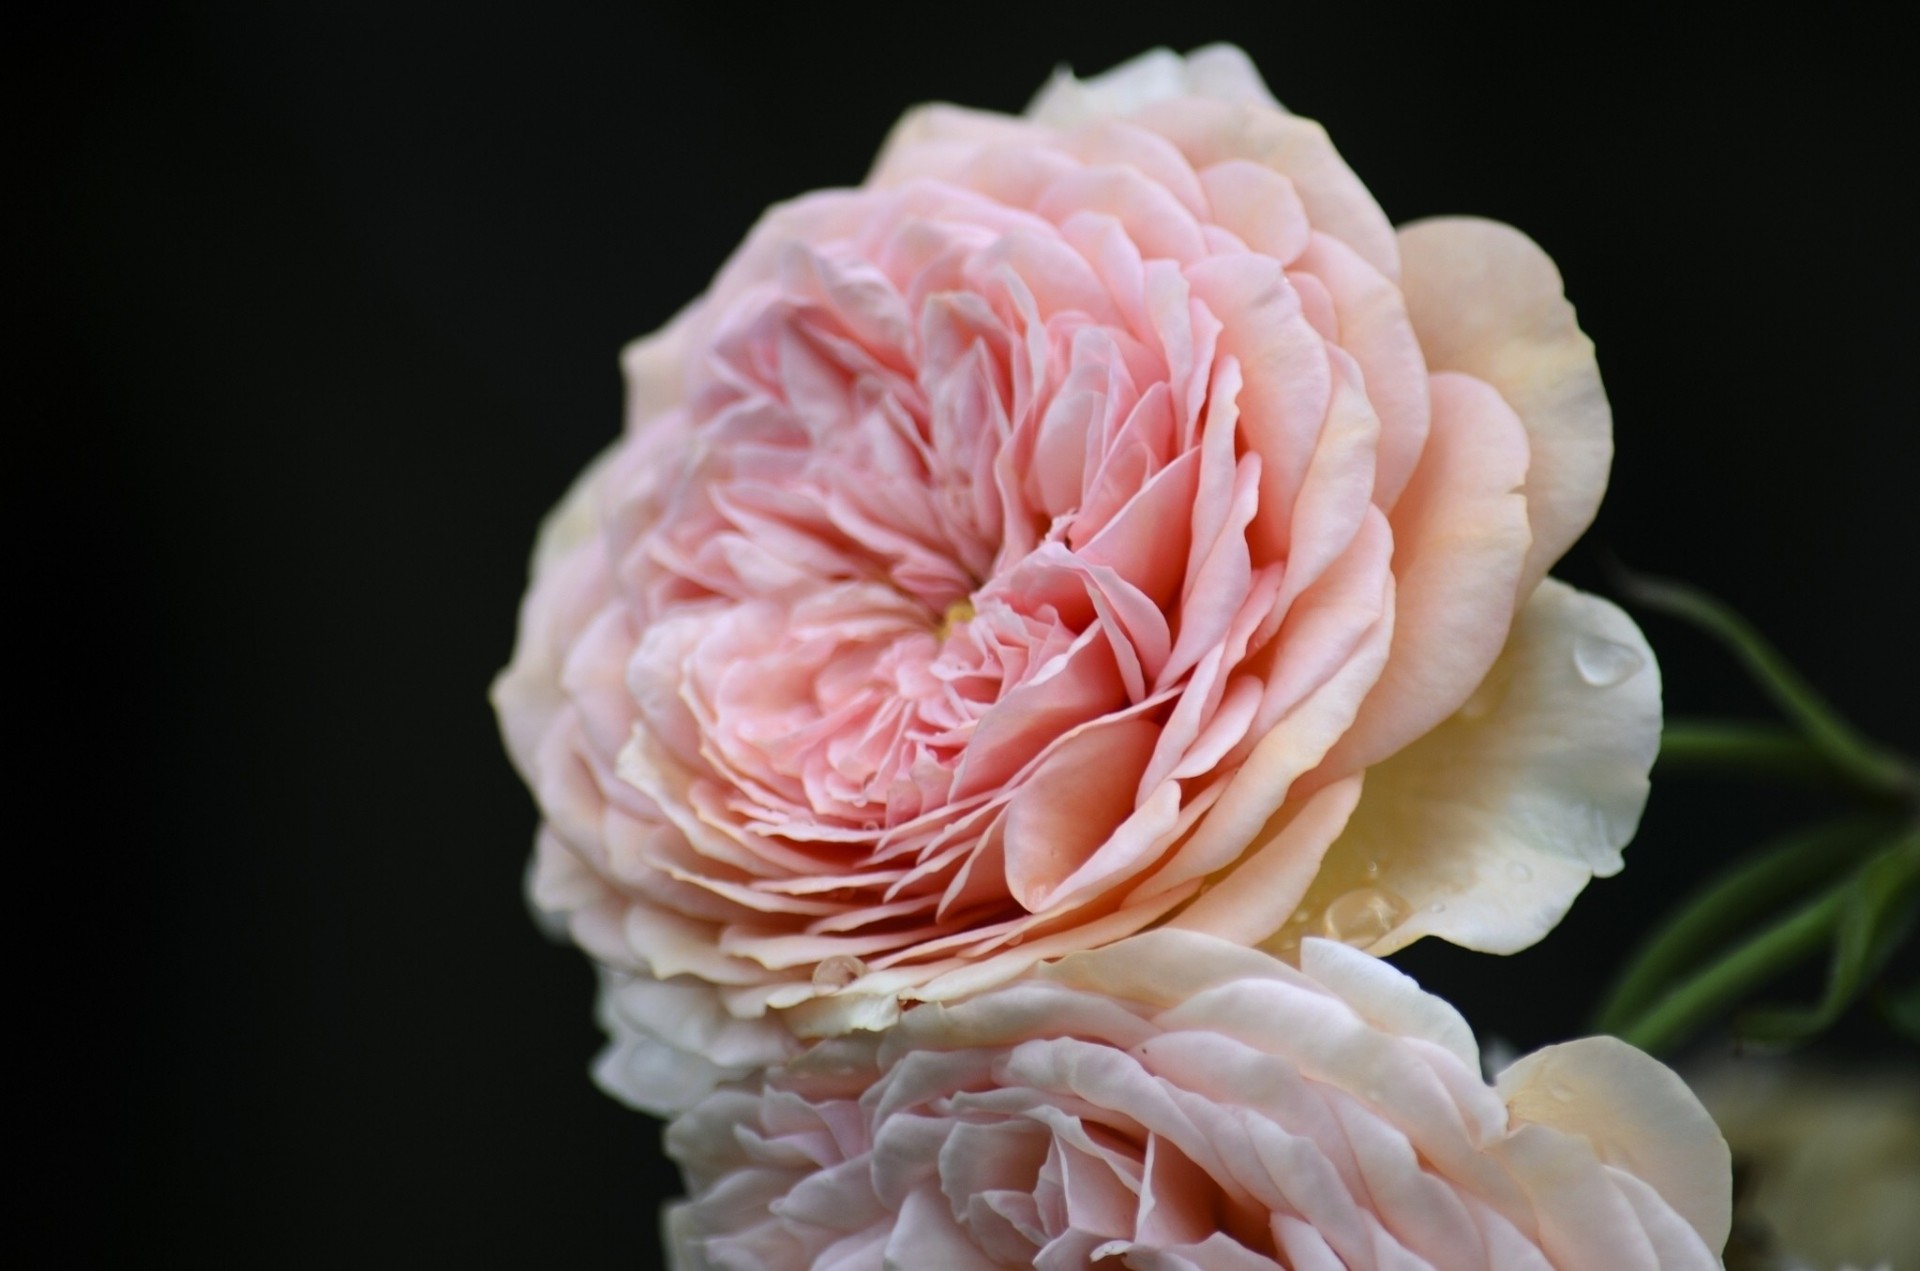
column 1460, row 535
column 566, row 592
column 1484, row 831
column 670, row 1042
column 1219, row 71
column 1638, row 1114
column 652, row 369
column 1486, row 300
column 935, row 139
column 1160, row 968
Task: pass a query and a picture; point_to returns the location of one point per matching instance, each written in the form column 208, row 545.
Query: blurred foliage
column 1848, row 887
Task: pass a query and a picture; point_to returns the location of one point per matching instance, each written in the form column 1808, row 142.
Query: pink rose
column 1176, row 1101
column 1098, row 519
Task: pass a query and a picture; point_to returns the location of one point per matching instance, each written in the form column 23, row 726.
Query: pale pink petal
column 1460, row 535
column 1488, row 302
column 1071, row 805
column 1210, row 132
column 1270, row 880
column 1375, row 328
column 932, row 139
column 1180, row 1102
column 1258, row 205
column 1219, row 72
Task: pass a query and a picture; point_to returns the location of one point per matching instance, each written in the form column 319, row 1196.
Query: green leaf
column 1731, row 905
column 1863, row 764
column 1878, row 915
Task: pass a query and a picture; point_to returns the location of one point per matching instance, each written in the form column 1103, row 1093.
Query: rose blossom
column 1176, row 1101
column 1098, row 519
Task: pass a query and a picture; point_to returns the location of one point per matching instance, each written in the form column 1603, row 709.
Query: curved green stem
column 1858, row 760
column 1748, row 965
column 1744, row 747
column 1732, row 903
column 1882, row 905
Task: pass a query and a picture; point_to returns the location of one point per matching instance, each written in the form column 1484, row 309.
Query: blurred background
column 326, row 300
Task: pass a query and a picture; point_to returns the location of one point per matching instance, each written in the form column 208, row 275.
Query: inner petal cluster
column 935, row 533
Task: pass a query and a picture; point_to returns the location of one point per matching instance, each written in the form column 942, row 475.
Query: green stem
column 1695, row 1000
column 1744, row 747
column 1730, row 904
column 1853, row 756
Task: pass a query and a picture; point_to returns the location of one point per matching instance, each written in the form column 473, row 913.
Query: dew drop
column 1560, row 1090
column 1437, row 907
column 838, row 971
column 1373, row 869
column 869, row 826
column 1604, row 663
column 1361, row 917
column 1519, row 873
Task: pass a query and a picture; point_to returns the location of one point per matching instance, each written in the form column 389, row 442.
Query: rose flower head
column 1097, row 520
column 1175, row 1101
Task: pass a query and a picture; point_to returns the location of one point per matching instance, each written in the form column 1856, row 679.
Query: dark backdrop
column 326, row 302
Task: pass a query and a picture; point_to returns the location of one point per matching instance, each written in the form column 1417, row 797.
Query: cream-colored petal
column 1483, row 831
column 1487, row 301
column 652, row 368
column 1638, row 1115
column 1219, row 71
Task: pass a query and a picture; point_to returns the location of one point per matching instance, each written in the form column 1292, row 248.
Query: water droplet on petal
column 1373, row 869
column 1604, row 663
column 1560, row 1090
column 1519, row 873
column 1437, row 907
column 1361, row 917
column 838, row 971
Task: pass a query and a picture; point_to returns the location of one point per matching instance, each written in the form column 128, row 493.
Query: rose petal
column 1460, row 535
column 1485, row 830
column 1638, row 1115
column 1219, row 71
column 1270, row 880
column 1487, row 301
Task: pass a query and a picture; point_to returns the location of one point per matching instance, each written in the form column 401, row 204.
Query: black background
column 325, row 303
